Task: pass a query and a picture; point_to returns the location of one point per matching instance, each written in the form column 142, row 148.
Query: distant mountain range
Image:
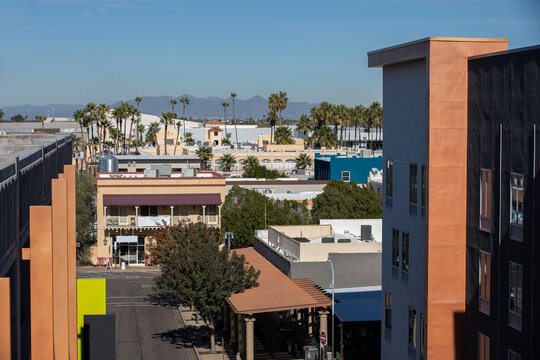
column 199, row 108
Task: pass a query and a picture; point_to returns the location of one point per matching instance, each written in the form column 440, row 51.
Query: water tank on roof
column 108, row 164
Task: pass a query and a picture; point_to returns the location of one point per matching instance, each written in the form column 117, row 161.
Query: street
column 147, row 326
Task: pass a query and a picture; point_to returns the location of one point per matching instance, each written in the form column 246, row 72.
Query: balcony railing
column 133, row 222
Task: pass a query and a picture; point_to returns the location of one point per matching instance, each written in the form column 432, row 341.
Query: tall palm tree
column 173, row 102
column 78, row 116
column 250, row 162
column 304, row 125
column 91, row 114
column 273, row 107
column 283, row 100
column 358, row 116
column 233, row 96
column 226, row 162
column 42, row 119
column 225, row 106
column 189, row 138
column 376, row 113
column 324, row 137
column 283, row 135
column 118, row 114
column 166, row 119
column 272, row 118
column 303, row 161
column 178, row 124
column 140, row 131
column 205, row 154
column 138, row 100
column 151, row 134
column 185, row 101
column 103, row 115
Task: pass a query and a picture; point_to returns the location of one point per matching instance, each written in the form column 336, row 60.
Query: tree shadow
column 185, row 337
column 159, row 299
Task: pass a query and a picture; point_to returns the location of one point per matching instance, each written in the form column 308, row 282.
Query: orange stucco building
column 424, row 198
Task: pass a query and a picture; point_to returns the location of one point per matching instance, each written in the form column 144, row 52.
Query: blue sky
column 76, row 51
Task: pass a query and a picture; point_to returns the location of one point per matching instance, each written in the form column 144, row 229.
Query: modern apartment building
column 424, row 195
column 503, row 282
column 130, row 206
column 28, row 163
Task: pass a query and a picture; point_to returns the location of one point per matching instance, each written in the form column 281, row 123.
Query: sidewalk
column 201, row 336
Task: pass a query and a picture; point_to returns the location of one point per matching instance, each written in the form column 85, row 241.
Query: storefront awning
column 162, row 199
column 358, row 306
column 126, row 239
column 276, row 291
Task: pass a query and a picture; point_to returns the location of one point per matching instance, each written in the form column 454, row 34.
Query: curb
column 195, row 350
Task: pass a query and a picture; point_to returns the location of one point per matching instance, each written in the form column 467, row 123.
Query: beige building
column 212, row 136
column 131, row 206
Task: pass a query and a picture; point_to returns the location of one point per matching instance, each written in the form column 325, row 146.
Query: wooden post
column 41, row 283
column 5, row 319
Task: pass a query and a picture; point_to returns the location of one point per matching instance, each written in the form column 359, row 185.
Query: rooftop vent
column 344, row 240
column 328, row 239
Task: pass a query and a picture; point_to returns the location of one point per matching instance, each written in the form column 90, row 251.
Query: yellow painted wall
column 91, row 300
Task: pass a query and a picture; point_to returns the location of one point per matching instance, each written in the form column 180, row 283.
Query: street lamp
column 229, row 236
column 332, row 268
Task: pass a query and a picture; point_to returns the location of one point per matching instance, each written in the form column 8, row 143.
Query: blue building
column 346, row 168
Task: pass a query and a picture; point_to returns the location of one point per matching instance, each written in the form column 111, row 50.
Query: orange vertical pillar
column 5, row 319
column 60, row 268
column 41, row 283
column 69, row 173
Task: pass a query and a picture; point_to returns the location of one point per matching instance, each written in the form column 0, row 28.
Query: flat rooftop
column 157, row 158
column 174, row 175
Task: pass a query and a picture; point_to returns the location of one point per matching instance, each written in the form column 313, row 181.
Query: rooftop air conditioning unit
column 365, row 232
column 344, row 240
column 150, row 173
column 328, row 239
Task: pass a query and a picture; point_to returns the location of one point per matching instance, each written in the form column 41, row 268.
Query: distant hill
column 199, row 108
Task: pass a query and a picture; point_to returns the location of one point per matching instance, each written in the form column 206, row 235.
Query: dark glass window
column 413, row 183
column 512, row 355
column 405, row 252
column 389, row 178
column 484, row 281
column 412, row 327
column 515, row 295
column 388, row 311
column 424, row 187
column 483, row 347
column 149, row 210
column 485, row 199
column 423, row 332
column 346, row 176
column 395, row 248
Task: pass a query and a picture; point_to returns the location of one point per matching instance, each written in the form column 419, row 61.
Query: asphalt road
column 147, row 326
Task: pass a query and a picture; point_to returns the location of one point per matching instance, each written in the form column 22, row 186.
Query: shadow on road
column 161, row 300
column 184, row 337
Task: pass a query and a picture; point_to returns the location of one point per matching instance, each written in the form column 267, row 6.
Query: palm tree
column 185, row 101
column 178, row 124
column 250, row 162
column 140, row 131
column 376, row 112
column 226, row 162
column 323, row 137
column 103, row 121
column 107, row 126
column 166, row 119
column 136, row 143
column 91, row 118
column 173, row 102
column 151, row 134
column 358, row 116
column 233, row 96
column 138, row 100
column 341, row 115
column 225, row 106
column 42, row 119
column 304, row 125
column 303, row 161
column 227, row 139
column 189, row 138
column 283, row 135
column 271, row 118
column 283, row 100
column 118, row 114
column 78, row 116
column 205, row 154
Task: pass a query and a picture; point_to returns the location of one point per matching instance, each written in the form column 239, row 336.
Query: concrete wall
column 353, row 226
column 278, row 186
column 404, row 124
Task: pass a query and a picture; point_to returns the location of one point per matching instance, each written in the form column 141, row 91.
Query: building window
column 215, row 133
column 424, row 185
column 484, row 282
column 389, row 182
column 485, row 200
column 149, row 210
column 515, row 295
column 346, row 176
column 516, row 206
column 483, row 347
column 412, row 327
column 405, row 252
column 413, row 189
column 395, row 248
column 388, row 311
column 423, row 334
column 512, row 355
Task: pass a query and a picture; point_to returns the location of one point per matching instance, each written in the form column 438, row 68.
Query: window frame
column 483, row 346
column 388, row 311
column 512, row 355
column 423, row 190
column 484, row 281
column 348, row 176
column 389, row 177
column 423, row 333
column 516, row 227
column 405, row 248
column 395, row 248
column 486, row 196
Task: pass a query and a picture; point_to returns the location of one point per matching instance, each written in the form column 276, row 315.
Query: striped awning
column 162, row 199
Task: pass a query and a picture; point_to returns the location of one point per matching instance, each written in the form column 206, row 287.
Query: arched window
column 278, row 164
column 266, row 163
column 290, row 164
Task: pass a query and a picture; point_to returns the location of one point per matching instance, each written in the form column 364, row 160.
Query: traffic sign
column 323, row 338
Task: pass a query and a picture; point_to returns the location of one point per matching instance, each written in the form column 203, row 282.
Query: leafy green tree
column 303, row 161
column 261, row 172
column 85, row 211
column 205, row 154
column 340, row 200
column 2, row 115
column 244, row 211
column 197, row 270
column 226, row 162
column 19, row 118
column 283, row 135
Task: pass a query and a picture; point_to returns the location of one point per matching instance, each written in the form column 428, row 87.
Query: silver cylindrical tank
column 108, row 164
